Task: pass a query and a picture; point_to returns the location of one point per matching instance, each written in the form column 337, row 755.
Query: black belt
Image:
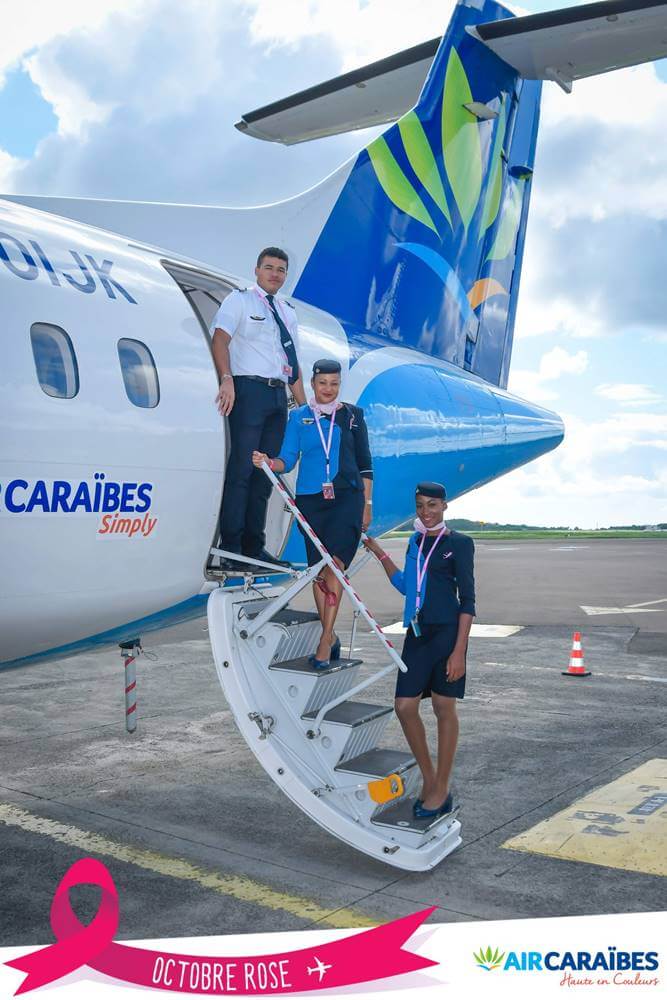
column 274, row 383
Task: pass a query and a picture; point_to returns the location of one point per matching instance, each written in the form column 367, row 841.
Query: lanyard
column 421, row 572
column 276, row 304
column 326, row 446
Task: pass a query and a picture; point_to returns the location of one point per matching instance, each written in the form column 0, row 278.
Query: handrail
column 328, row 559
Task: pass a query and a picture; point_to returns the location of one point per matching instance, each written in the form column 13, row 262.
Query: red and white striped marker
column 576, row 667
column 129, row 658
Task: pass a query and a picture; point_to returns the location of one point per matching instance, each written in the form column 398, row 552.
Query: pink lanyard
column 326, row 446
column 421, row 573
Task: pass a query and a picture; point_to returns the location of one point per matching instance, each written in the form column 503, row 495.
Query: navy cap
column 436, row 490
column 326, row 366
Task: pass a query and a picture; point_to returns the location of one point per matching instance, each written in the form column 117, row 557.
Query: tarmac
column 200, row 841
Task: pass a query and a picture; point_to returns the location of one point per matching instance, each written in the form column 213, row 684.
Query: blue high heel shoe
column 421, row 813
column 319, row 664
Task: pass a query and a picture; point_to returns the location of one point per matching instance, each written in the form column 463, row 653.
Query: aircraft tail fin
column 424, row 244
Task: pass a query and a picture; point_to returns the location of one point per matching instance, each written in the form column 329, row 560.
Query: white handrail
column 328, row 559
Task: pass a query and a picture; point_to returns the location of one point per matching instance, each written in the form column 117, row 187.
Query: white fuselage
column 77, row 563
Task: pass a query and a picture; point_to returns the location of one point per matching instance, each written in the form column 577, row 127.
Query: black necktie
column 286, row 341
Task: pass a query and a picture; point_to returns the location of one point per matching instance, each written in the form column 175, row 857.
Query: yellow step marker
column 385, row 789
column 620, row 825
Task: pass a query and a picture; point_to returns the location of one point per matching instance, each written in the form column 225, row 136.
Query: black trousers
column 257, row 423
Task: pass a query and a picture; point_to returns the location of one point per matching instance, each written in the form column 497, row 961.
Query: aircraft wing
column 566, row 45
column 561, row 45
column 373, row 95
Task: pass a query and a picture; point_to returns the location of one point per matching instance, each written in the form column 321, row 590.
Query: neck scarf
column 323, row 408
column 422, row 529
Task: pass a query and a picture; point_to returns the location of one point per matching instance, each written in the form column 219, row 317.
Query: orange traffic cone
column 576, row 667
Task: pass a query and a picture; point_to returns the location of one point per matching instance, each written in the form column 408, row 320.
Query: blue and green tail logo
column 474, row 193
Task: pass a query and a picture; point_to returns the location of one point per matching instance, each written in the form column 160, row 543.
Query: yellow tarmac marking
column 620, row 825
column 239, row 886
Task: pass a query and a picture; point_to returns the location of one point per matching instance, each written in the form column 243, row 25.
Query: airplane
column 320, row 968
column 405, row 265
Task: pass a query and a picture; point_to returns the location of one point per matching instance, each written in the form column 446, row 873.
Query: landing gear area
column 306, row 728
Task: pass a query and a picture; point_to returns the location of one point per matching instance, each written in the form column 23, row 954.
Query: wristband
column 269, row 462
column 223, row 377
column 385, row 555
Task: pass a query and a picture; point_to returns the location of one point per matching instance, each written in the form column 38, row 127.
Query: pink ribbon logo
column 359, row 958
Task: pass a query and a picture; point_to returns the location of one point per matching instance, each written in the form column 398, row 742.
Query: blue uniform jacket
column 449, row 587
column 350, row 457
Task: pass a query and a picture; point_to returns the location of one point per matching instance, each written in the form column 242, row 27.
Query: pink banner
column 358, row 958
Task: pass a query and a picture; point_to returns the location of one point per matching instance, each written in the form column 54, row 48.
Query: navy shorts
column 426, row 659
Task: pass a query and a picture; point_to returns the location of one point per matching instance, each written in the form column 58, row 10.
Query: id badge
column 416, row 628
column 328, row 491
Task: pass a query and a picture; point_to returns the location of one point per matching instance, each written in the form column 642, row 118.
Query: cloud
column 361, row 31
column 33, row 25
column 629, row 393
column 553, row 364
column 594, row 259
column 147, row 102
column 8, row 166
column 611, row 471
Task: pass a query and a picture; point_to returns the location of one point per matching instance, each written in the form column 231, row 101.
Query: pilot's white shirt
column 255, row 347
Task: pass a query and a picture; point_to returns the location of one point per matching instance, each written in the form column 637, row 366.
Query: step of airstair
column 378, row 763
column 399, row 816
column 309, row 688
column 349, row 729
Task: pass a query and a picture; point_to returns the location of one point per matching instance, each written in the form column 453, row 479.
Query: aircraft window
column 55, row 360
column 139, row 373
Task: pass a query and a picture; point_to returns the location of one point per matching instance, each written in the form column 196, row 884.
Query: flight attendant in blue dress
column 439, row 587
column 333, row 488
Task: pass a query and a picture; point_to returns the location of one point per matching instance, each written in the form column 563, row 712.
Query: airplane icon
column 319, row 967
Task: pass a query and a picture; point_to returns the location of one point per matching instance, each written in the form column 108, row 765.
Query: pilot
column 439, row 587
column 255, row 353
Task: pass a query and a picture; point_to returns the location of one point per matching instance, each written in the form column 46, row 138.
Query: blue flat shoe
column 417, row 804
column 319, row 664
column 421, row 813
column 335, row 650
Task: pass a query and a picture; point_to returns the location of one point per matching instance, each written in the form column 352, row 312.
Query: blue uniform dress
column 337, row 522
column 447, row 591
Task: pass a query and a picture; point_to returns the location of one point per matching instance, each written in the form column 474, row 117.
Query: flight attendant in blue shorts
column 439, row 587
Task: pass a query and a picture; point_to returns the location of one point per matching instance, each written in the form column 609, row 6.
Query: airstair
column 312, row 730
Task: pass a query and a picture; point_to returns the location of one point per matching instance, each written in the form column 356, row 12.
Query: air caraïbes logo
column 613, row 966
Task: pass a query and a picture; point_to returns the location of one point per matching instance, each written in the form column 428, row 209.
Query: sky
column 136, row 99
